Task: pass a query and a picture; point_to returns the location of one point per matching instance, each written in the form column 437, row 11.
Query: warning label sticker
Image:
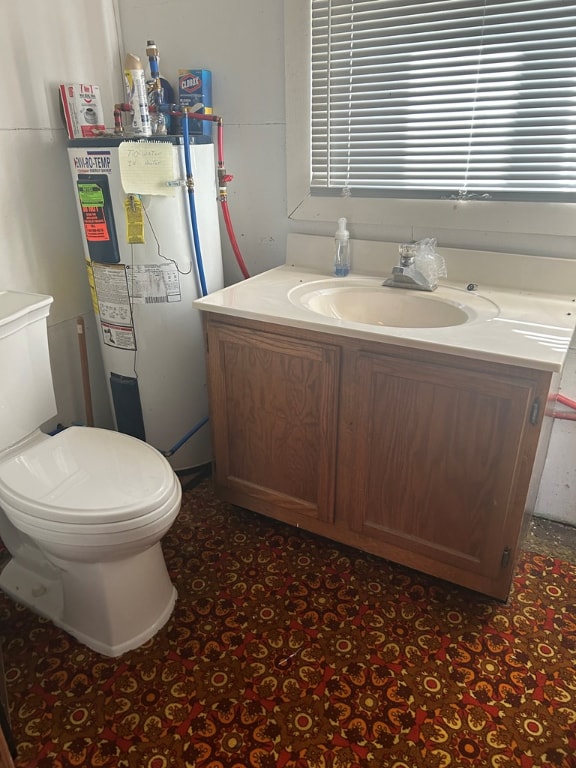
column 134, row 220
column 92, row 202
column 118, row 336
column 111, row 287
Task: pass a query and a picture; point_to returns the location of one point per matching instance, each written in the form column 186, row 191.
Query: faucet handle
column 407, row 253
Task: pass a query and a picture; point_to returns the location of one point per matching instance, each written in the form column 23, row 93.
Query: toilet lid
column 86, row 474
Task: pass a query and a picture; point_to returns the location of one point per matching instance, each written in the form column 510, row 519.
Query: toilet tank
column 26, row 390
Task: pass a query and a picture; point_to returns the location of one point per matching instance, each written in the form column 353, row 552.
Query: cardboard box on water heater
column 82, row 110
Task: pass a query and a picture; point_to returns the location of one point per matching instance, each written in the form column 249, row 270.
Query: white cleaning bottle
column 341, row 250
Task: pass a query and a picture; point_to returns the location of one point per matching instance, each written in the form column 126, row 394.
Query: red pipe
column 562, row 415
column 565, row 401
column 233, row 243
column 220, row 135
column 567, row 415
column 223, row 177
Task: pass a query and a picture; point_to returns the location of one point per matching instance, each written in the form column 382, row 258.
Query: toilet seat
column 85, row 476
column 84, row 542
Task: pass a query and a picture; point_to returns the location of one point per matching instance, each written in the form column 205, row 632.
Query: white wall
column 44, row 44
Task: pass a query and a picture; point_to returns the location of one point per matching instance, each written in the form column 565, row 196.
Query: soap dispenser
column 341, row 250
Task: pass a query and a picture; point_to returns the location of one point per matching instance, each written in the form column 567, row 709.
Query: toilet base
column 43, row 595
column 111, row 607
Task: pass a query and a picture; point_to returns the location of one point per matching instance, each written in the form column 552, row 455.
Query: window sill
column 557, row 219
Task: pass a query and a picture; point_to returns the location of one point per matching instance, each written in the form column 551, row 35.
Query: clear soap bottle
column 341, row 250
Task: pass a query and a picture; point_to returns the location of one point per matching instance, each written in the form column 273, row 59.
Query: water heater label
column 116, row 320
column 153, row 283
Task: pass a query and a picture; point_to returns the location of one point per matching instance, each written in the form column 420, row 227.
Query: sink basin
column 368, row 302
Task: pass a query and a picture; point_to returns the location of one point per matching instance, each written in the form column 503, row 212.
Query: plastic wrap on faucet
column 428, row 261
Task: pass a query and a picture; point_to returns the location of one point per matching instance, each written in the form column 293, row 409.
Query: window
column 443, row 99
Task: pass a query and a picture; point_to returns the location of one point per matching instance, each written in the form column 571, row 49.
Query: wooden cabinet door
column 441, row 462
column 274, row 420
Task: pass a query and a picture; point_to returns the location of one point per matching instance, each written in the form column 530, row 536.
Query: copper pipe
column 81, row 331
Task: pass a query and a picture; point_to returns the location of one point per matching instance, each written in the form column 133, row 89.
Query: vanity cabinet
column 422, row 458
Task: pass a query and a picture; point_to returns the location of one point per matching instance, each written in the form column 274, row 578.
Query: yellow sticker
column 92, row 287
column 134, row 220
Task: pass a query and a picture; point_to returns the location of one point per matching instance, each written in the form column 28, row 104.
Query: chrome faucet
column 406, row 274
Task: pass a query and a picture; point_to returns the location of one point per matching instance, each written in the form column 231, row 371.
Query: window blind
column 447, row 98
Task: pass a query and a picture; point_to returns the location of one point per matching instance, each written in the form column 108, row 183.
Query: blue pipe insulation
column 193, row 217
column 187, row 436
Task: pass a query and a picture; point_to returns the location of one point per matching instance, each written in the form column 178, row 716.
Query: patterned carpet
column 286, row 650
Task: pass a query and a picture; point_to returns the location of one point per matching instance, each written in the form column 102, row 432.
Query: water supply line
column 563, row 400
column 185, row 439
column 223, row 179
column 191, row 200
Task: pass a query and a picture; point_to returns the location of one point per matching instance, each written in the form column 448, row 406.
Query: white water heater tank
column 140, row 261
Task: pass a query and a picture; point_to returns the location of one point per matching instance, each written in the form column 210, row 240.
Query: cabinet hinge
column 535, row 411
column 207, row 344
column 505, row 557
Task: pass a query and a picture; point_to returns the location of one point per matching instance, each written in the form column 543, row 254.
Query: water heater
column 134, row 210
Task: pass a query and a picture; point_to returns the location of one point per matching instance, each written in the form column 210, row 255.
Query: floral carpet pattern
column 287, row 650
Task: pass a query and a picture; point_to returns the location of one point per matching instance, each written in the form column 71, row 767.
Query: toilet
column 82, row 512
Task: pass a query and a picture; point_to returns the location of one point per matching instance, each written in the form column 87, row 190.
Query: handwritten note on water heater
column 147, row 168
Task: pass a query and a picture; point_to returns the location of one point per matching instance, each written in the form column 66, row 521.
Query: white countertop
column 531, row 328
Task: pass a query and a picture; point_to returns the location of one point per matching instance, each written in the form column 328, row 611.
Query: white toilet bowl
column 85, row 511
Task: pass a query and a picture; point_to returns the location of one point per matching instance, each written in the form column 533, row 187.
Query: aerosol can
column 135, row 85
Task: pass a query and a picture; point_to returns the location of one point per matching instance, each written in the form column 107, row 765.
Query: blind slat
column 471, row 96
